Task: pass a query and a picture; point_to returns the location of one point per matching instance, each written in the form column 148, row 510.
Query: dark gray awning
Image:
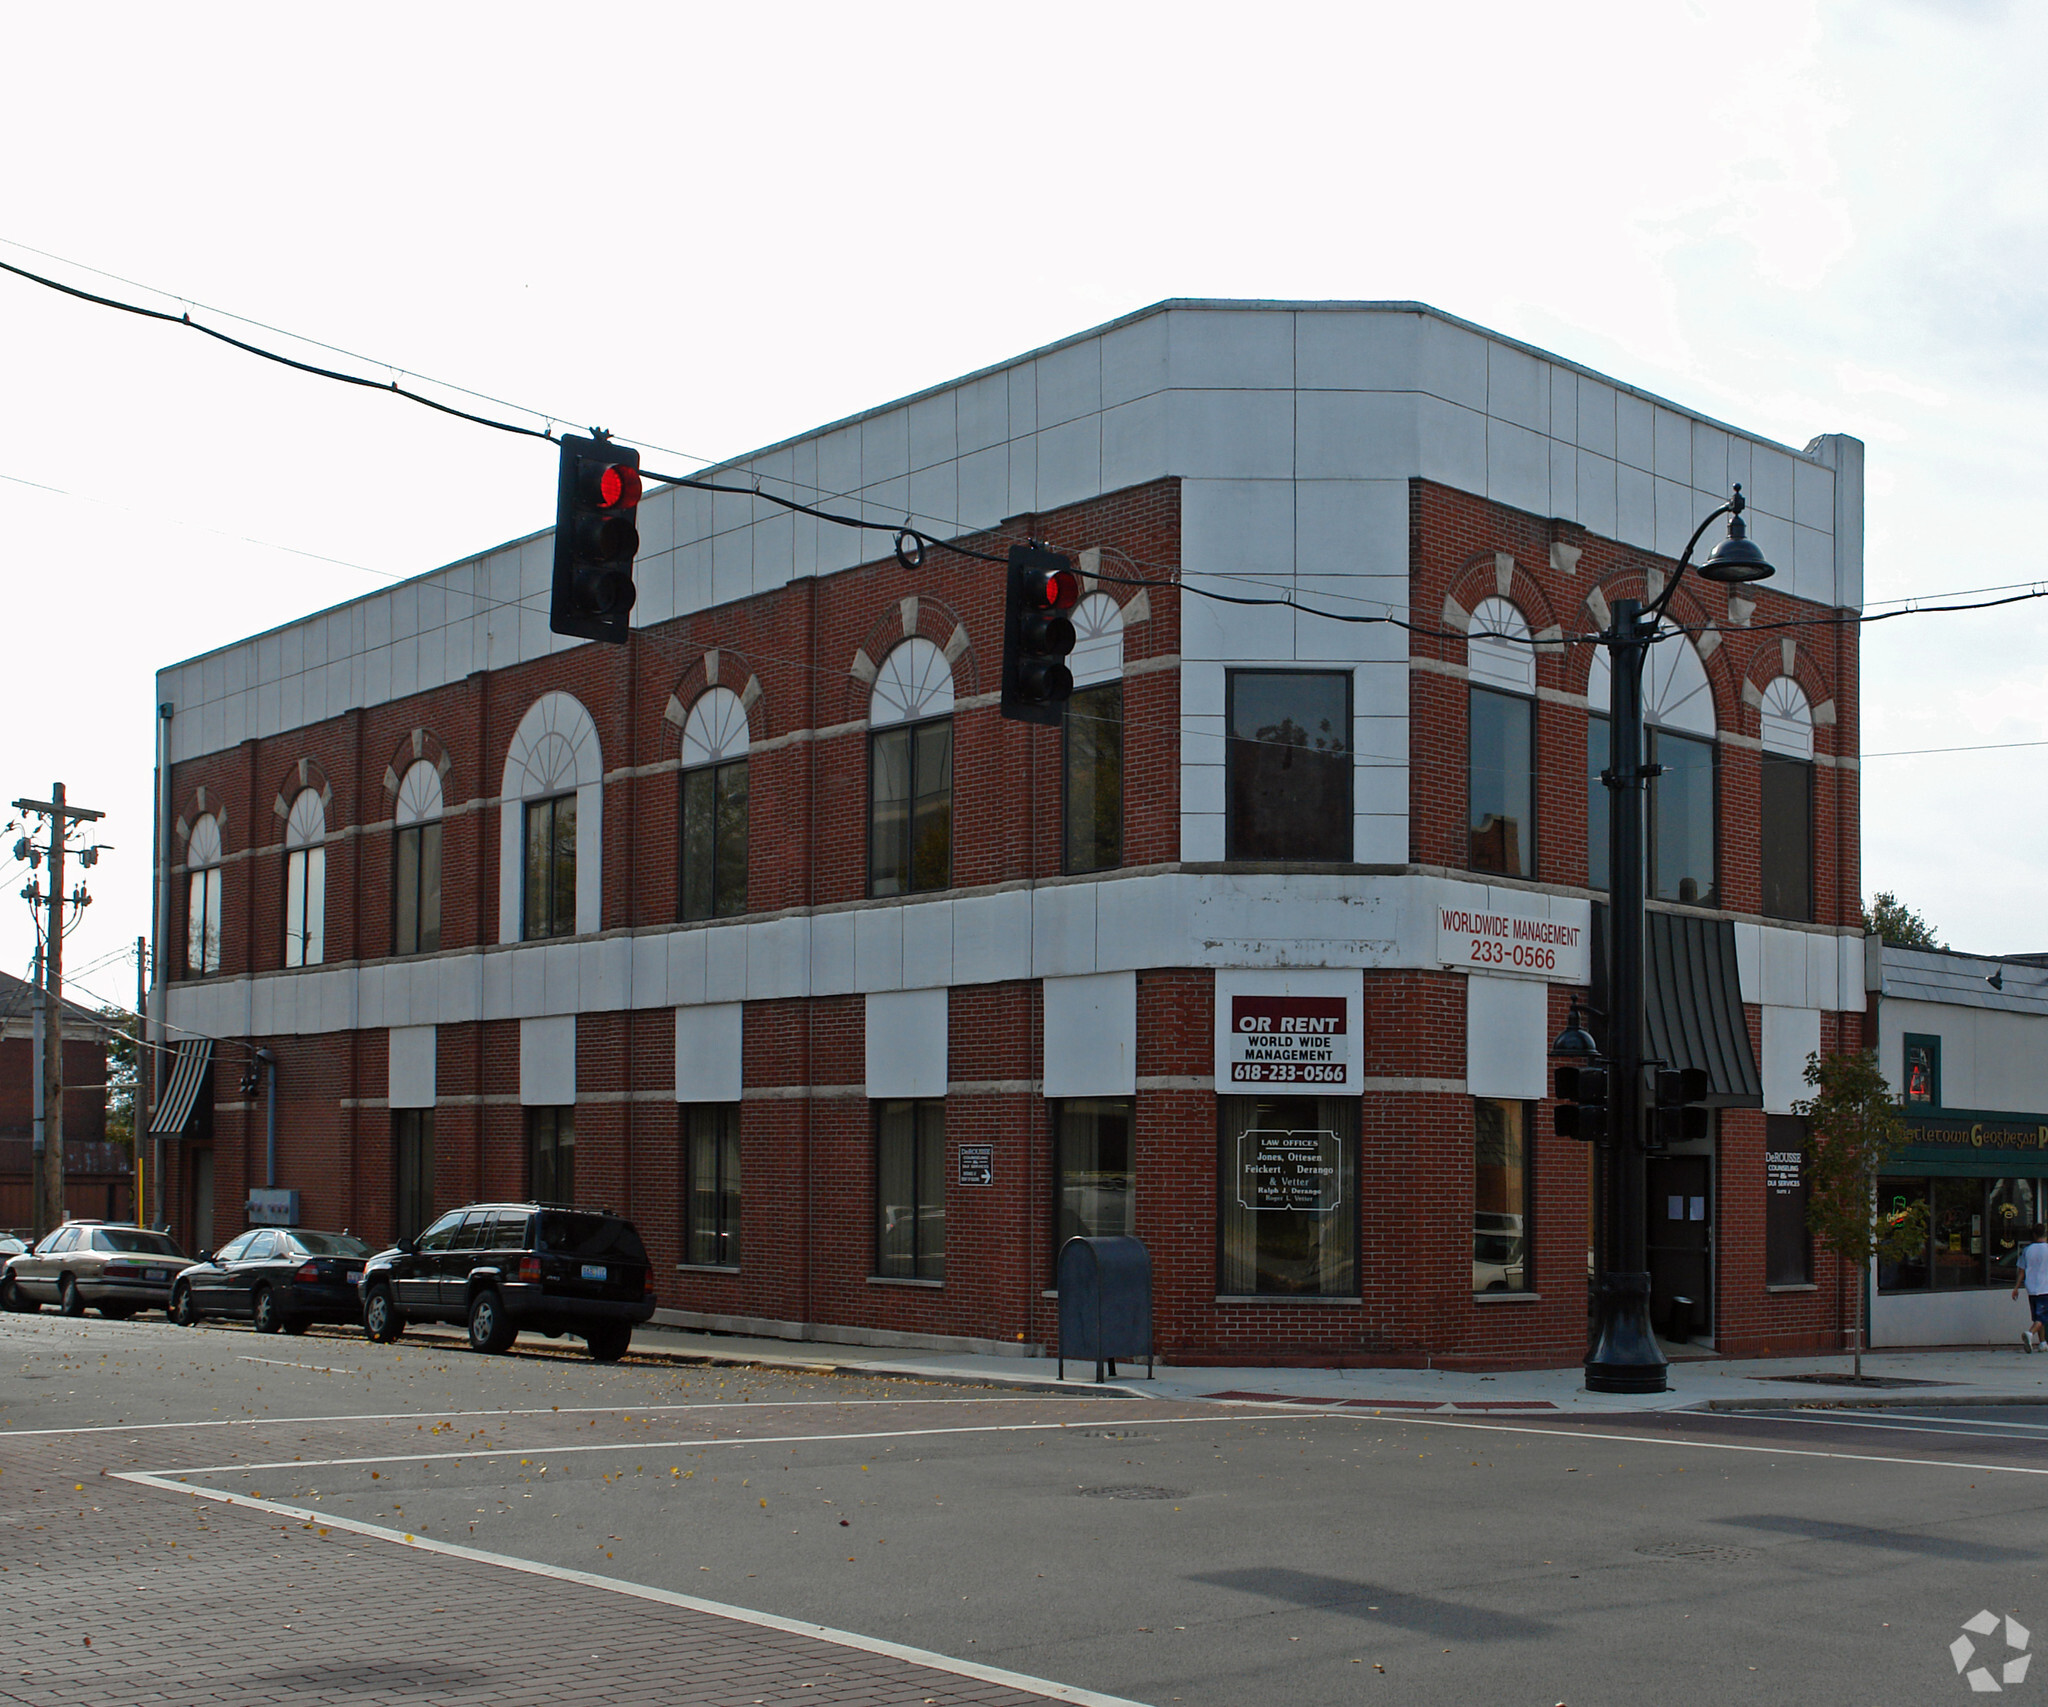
column 1693, row 1002
column 174, row 1107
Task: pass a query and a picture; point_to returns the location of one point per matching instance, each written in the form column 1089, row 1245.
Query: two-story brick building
column 767, row 930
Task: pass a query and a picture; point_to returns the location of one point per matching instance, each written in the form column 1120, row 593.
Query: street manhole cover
column 1704, row 1552
column 1133, row 1491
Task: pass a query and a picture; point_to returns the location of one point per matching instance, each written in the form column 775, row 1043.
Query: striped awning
column 174, row 1108
column 1692, row 1001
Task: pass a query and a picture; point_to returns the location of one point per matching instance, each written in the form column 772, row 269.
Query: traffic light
column 1679, row 1115
column 1581, row 1110
column 1038, row 633
column 595, row 539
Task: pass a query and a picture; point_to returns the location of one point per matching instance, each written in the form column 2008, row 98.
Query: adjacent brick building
column 769, row 931
column 97, row 1172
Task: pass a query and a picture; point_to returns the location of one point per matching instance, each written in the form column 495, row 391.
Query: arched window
column 714, row 807
column 416, row 861
column 910, row 771
column 1785, row 803
column 305, row 880
column 552, row 824
column 1678, row 710
column 1500, row 791
column 1092, row 742
column 202, row 906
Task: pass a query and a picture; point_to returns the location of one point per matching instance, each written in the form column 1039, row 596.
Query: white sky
column 711, row 227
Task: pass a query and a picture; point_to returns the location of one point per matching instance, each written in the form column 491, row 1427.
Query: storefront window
column 1788, row 1245
column 2012, row 1210
column 1897, row 1198
column 1290, row 1203
column 1501, row 1198
column 1958, row 1214
column 1094, row 1139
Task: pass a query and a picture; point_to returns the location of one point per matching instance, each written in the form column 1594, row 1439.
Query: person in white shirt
column 2033, row 1275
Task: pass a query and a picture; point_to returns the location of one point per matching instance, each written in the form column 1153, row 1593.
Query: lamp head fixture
column 1575, row 1042
column 1736, row 558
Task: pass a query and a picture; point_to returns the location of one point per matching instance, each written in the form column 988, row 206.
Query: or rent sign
column 1290, row 1033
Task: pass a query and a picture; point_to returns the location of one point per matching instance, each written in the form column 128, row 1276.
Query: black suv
column 501, row 1267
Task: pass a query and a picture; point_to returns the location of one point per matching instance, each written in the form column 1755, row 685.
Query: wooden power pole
column 51, row 1211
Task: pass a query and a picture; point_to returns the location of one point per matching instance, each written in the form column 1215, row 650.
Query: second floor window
column 416, row 862
column 1785, row 801
column 305, row 880
column 714, row 807
column 1093, row 778
column 910, row 811
column 550, row 868
column 203, row 899
column 1288, row 764
column 1501, row 788
column 1678, row 830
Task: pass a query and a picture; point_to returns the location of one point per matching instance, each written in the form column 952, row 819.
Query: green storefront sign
column 1972, row 1143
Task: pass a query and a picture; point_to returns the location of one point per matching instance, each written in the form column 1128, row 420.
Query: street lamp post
column 1624, row 1357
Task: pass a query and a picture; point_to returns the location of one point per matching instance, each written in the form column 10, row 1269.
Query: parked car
column 115, row 1268
column 277, row 1277
column 10, row 1246
column 501, row 1267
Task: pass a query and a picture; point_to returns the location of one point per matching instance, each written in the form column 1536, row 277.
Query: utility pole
column 51, row 1209
column 36, row 1100
column 139, row 1182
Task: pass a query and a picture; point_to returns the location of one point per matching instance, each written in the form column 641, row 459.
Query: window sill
column 904, row 1280
column 1507, row 1297
column 1794, row 1286
column 707, row 1268
column 1292, row 1298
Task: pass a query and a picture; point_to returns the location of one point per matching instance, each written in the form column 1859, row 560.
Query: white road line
column 1932, row 1425
column 931, row 1661
column 287, row 1363
column 562, row 1451
column 1688, row 1445
column 543, row 1411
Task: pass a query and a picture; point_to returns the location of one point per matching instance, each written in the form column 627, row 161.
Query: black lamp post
column 1624, row 1357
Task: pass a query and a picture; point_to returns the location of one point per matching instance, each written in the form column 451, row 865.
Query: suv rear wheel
column 490, row 1329
column 381, row 1320
column 608, row 1341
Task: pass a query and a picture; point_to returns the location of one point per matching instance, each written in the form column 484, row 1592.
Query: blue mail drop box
column 1105, row 1302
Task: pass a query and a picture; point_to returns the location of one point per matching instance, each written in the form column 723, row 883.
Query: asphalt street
column 656, row 1525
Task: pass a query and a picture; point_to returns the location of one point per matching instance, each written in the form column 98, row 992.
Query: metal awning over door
column 1692, row 1000
column 188, row 1072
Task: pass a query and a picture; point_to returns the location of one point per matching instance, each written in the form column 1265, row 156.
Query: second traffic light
column 596, row 540
column 1038, row 633
column 1581, row 1110
column 1681, row 1114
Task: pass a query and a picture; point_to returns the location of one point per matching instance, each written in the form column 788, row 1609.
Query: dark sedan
column 280, row 1278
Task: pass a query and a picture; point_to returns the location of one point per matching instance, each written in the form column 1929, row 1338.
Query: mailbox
column 1105, row 1302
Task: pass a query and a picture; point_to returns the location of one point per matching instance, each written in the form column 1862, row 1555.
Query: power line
column 1981, row 747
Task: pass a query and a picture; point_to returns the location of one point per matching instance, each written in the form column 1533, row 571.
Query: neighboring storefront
column 1964, row 1039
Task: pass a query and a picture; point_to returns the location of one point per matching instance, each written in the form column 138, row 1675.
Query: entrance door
column 202, row 1199
column 1681, row 1243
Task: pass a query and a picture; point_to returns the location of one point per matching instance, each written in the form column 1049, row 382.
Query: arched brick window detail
column 203, row 853
column 551, row 824
column 910, row 771
column 305, row 879
column 713, row 806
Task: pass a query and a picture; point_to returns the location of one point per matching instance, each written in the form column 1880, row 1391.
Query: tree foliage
column 123, row 1076
column 1897, row 923
column 1856, row 1128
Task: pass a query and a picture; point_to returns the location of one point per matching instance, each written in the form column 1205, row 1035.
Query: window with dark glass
column 1503, row 1197
column 1976, row 1229
column 1092, row 770
column 550, row 867
column 412, row 1142
column 2012, row 1209
column 910, row 808
column 1501, row 791
column 417, row 889
column 1681, row 829
column 1788, row 1244
column 711, row 1184
column 551, row 1154
column 1093, row 1140
column 1785, row 835
column 1289, row 1211
column 1897, row 1198
column 910, row 1190
column 1287, row 760
column 715, row 840
column 1923, row 1070
column 1598, row 758
column 1956, row 1214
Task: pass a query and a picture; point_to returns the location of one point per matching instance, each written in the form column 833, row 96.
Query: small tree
column 1856, row 1127
column 1897, row 923
column 123, row 1077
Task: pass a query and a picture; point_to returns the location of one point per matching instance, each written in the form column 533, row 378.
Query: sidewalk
column 1950, row 1375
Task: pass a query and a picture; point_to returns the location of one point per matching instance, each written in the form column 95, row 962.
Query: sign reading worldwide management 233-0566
column 1287, row 1033
column 1493, row 934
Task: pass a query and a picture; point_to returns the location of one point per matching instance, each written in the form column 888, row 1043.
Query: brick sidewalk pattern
column 120, row 1596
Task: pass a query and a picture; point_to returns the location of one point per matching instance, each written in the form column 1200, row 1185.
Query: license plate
column 159, row 1274
column 354, row 1275
column 594, row 1271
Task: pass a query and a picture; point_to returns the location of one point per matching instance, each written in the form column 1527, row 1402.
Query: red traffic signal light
column 596, row 539
column 1038, row 633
